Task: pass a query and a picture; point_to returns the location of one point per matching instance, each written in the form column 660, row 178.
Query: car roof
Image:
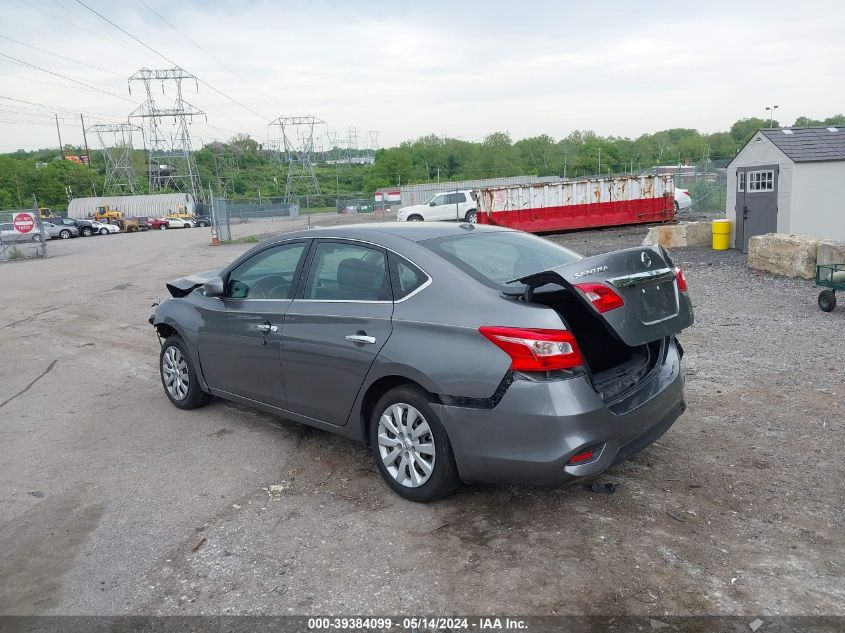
column 411, row 231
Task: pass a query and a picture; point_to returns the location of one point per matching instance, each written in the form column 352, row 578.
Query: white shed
column 789, row 180
column 155, row 205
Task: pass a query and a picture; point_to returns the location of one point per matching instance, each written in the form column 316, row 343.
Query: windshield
column 495, row 259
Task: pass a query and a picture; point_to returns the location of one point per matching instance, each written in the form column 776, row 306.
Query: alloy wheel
column 174, row 370
column 406, row 445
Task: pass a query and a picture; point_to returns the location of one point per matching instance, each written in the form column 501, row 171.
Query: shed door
column 756, row 202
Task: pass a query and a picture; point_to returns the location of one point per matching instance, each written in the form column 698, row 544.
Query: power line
column 46, row 83
column 167, row 59
column 70, row 59
column 212, row 57
column 53, row 108
column 65, row 77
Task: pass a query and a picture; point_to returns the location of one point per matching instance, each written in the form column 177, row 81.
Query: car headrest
column 359, row 279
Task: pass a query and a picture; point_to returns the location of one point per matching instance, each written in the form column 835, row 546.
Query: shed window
column 740, row 181
column 761, row 181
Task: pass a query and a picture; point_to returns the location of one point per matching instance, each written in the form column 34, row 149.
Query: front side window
column 269, row 274
column 438, row 200
column 342, row 271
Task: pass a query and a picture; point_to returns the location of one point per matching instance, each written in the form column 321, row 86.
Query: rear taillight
column 535, row 350
column 602, row 297
column 682, row 280
column 686, row 193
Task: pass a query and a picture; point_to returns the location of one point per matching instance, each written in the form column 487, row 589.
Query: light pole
column 771, row 111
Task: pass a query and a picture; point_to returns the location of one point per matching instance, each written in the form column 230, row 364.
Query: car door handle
column 266, row 327
column 360, row 338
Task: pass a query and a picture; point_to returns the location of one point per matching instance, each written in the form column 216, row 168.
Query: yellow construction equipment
column 107, row 214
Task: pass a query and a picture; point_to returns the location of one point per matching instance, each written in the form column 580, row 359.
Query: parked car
column 60, row 230
column 202, row 220
column 455, row 351
column 8, row 234
column 682, row 199
column 453, row 205
column 102, row 228
column 178, row 223
column 154, row 223
column 84, row 226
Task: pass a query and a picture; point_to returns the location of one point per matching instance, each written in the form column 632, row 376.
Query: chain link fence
column 15, row 244
column 226, row 212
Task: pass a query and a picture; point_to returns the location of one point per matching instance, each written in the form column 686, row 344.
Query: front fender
column 182, row 316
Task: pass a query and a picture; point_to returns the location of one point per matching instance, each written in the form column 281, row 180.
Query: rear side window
column 405, row 277
column 343, row 271
column 498, row 258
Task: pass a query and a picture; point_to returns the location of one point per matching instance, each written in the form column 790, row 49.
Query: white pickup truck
column 450, row 205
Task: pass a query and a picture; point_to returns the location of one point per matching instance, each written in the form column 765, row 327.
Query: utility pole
column 599, row 161
column 61, row 146
column 565, row 156
column 85, row 140
column 771, row 111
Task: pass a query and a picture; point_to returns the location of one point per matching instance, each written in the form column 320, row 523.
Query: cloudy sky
column 462, row 69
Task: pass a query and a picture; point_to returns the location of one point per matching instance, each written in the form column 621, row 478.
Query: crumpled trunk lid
column 643, row 277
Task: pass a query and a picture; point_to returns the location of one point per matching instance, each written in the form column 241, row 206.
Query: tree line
column 242, row 167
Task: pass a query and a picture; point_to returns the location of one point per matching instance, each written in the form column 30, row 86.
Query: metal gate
column 756, row 202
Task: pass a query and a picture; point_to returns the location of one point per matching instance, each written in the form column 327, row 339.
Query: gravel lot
column 112, row 501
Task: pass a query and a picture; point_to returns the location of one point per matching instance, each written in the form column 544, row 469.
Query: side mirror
column 214, row 287
column 431, row 204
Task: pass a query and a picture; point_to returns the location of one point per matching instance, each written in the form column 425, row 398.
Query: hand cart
column 832, row 278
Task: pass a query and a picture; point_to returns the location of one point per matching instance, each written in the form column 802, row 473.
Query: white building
column 154, row 205
column 788, row 181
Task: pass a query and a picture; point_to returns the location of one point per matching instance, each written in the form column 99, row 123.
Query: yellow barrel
column 721, row 235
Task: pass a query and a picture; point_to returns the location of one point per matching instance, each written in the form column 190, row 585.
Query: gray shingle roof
column 809, row 144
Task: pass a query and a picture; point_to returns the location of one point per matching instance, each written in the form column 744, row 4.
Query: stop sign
column 23, row 222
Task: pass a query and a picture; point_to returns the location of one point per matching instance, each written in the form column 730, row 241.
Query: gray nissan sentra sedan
column 457, row 352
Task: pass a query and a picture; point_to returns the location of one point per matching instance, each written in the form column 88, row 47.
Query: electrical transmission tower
column 117, row 147
column 373, row 148
column 351, row 144
column 298, row 144
column 171, row 163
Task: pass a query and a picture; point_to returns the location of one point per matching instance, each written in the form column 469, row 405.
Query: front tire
column 178, row 376
column 104, row 231
column 677, row 206
column 87, row 231
column 827, row 300
column 410, row 446
column 415, row 218
column 64, row 234
column 163, row 227
column 471, row 216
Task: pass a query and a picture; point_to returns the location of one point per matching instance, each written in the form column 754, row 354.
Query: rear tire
column 104, row 231
column 64, row 234
column 471, row 216
column 87, row 231
column 827, row 300
column 178, row 376
column 425, row 463
column 677, row 206
column 163, row 227
column 415, row 218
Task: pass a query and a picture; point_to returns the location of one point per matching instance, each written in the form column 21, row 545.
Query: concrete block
column 786, row 255
column 679, row 235
column 699, row 233
column 830, row 252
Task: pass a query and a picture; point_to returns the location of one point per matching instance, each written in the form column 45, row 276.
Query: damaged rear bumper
column 530, row 436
